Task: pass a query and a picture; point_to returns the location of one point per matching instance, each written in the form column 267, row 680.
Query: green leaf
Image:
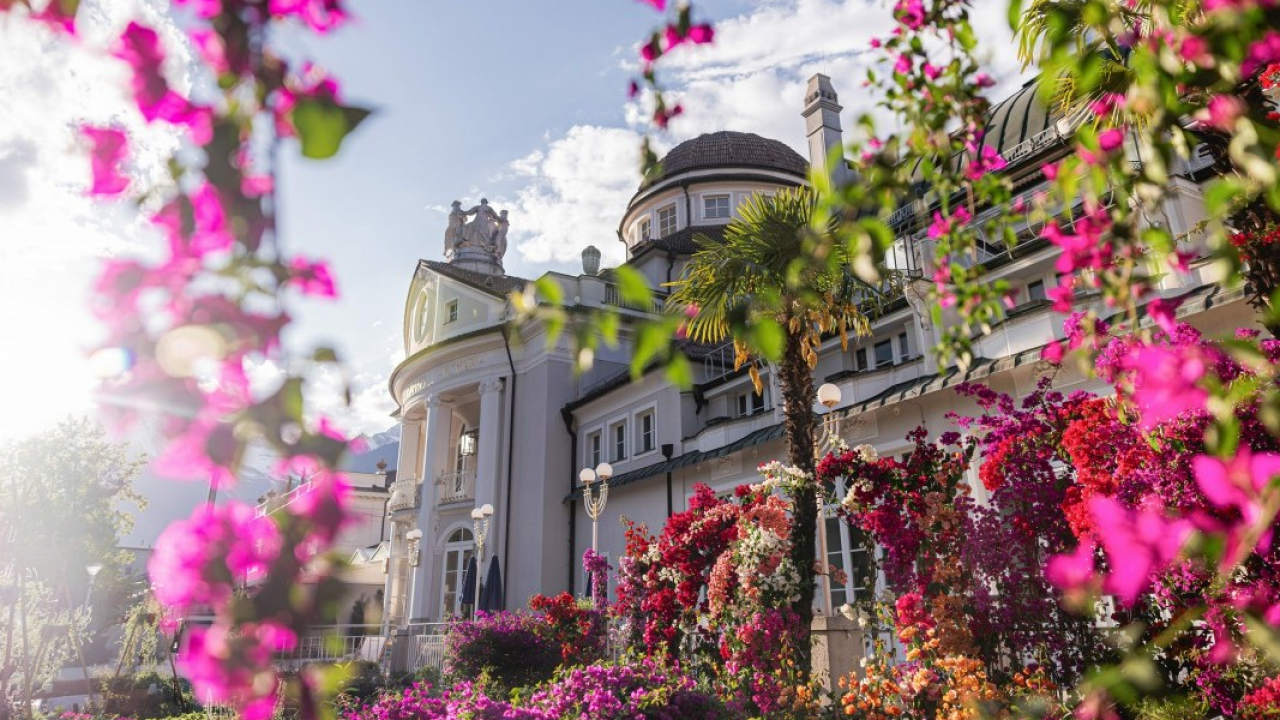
column 632, row 285
column 549, row 290
column 651, row 341
column 1015, row 14
column 325, row 354
column 679, row 372
column 768, row 339
column 323, row 124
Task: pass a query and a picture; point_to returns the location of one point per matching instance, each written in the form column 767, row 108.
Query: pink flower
column 1110, row 139
column 658, row 5
column 234, row 667
column 59, row 15
column 109, row 148
column 910, row 13
column 943, row 225
column 206, row 9
column 1053, row 352
column 701, row 34
column 199, row 561
column 312, row 277
column 903, row 64
column 1222, row 111
column 1238, row 483
column 1073, row 572
column 1139, row 544
column 1164, row 312
column 1062, row 296
column 139, row 46
column 984, row 80
column 1050, row 171
column 1194, row 49
column 1164, row 382
column 319, row 15
column 987, row 161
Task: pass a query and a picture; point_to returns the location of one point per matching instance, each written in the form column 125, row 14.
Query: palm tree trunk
column 796, row 380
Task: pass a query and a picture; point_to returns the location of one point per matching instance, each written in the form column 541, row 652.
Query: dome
column 728, row 149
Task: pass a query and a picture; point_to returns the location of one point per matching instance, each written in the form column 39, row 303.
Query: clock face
column 422, row 316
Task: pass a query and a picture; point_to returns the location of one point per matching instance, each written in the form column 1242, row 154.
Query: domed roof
column 1017, row 119
column 726, row 149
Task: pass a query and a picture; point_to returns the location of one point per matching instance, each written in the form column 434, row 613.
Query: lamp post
column 828, row 397
column 93, row 571
column 480, row 523
column 595, row 503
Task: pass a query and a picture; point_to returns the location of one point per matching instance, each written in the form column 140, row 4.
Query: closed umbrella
column 469, row 583
column 491, row 595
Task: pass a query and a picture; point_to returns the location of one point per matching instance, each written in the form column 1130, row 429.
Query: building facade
column 494, row 415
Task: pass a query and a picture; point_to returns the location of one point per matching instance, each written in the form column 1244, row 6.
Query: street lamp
column 93, row 571
column 480, row 523
column 828, row 397
column 595, row 504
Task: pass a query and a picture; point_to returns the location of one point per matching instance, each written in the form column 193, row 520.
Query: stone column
column 438, row 420
column 490, row 445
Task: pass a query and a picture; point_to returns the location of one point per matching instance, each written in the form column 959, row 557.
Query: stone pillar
column 490, row 446
column 838, row 648
column 438, row 420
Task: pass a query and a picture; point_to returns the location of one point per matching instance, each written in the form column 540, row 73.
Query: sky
column 520, row 101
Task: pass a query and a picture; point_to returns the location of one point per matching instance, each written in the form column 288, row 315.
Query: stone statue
column 500, row 235
column 453, row 234
column 477, row 236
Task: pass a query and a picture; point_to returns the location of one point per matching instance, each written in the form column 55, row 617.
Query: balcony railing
column 613, row 296
column 404, row 495
column 457, row 486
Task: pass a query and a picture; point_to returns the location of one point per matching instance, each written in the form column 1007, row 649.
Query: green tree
column 66, row 499
column 762, row 289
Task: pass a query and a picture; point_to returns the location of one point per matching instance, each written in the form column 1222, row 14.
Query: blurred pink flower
column 108, row 149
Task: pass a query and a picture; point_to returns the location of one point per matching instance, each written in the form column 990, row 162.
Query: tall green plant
column 759, row 289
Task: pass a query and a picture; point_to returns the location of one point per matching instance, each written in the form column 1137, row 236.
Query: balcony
column 404, row 495
column 613, row 296
column 457, row 486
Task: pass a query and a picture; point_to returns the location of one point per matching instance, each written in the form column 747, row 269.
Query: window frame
column 451, row 311
column 675, row 220
column 593, row 448
column 1044, row 288
column 649, row 413
column 707, row 201
column 464, row 548
column 904, row 346
column 644, row 229
column 888, row 342
column 618, row 440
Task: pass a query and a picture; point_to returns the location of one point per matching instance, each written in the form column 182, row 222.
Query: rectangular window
column 860, row 359
column 646, row 432
column 643, row 233
column 619, row 442
column 1035, row 291
column 884, row 353
column 451, row 311
column 904, row 350
column 593, row 449
column 750, row 403
column 716, row 206
column 666, row 221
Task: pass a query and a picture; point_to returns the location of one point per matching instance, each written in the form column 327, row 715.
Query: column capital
column 432, row 402
column 490, row 385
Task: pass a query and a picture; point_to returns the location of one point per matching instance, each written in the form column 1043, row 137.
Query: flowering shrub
column 639, row 691
column 580, row 632
column 508, row 649
column 719, row 583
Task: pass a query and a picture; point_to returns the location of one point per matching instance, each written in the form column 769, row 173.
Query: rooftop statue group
column 486, row 231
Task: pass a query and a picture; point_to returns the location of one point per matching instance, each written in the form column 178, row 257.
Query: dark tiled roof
column 681, row 241
column 726, row 149
column 500, row 285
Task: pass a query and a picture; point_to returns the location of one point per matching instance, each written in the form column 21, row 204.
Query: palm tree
column 776, row 288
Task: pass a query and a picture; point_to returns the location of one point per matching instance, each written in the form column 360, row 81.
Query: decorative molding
column 489, row 385
column 432, row 402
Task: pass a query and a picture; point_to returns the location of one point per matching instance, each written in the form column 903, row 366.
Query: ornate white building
column 493, row 416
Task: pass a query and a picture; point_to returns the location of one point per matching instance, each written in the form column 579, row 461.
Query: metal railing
column 275, row 502
column 337, row 643
column 404, row 495
column 457, row 486
column 613, row 296
column 426, row 646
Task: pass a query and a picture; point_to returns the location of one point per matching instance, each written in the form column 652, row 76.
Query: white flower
column 867, row 452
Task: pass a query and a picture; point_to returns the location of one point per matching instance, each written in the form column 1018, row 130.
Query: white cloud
column 578, row 187
column 752, row 79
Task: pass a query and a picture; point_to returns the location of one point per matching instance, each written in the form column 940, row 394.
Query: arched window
column 457, row 553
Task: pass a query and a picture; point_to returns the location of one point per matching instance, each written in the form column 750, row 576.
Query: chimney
column 822, row 125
